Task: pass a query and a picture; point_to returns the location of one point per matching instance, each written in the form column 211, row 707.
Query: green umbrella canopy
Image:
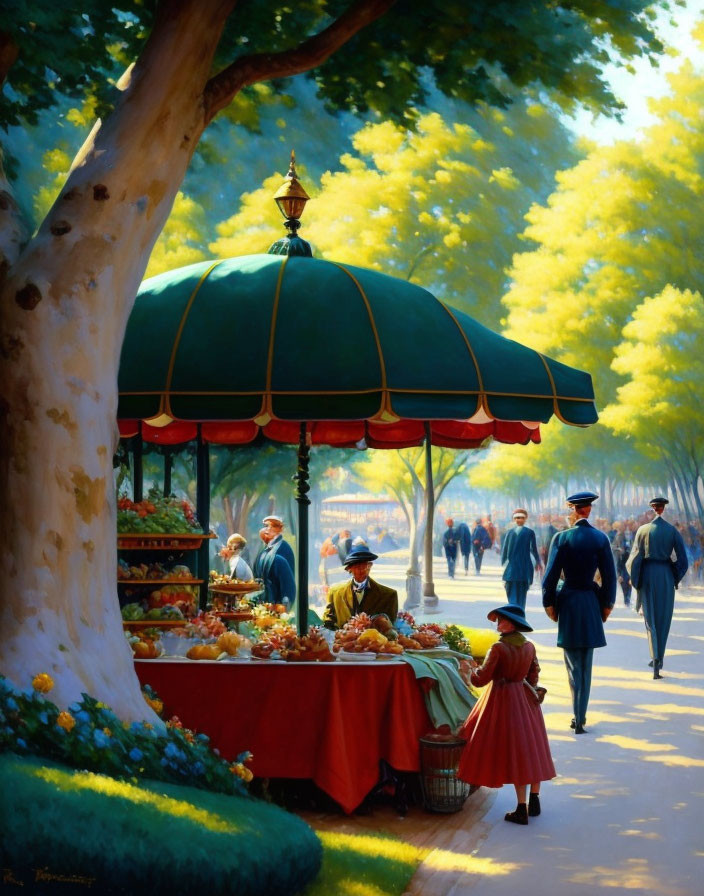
column 263, row 342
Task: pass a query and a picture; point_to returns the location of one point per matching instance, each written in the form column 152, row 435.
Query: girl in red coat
column 505, row 732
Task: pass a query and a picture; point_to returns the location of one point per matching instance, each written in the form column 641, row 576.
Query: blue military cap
column 582, row 499
column 657, row 500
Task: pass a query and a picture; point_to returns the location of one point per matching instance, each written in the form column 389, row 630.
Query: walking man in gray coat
column 517, row 547
column 580, row 606
column 655, row 575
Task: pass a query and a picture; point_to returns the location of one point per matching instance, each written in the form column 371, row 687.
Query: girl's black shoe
column 534, row 805
column 520, row 816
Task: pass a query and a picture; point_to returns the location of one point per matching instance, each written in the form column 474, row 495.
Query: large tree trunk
column 64, row 305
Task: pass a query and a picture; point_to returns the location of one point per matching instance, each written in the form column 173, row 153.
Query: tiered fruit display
column 363, row 634
column 151, row 571
column 310, row 648
column 155, row 515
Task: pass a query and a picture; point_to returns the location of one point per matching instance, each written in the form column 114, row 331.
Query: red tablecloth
column 331, row 722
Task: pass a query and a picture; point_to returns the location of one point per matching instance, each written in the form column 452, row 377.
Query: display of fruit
column 308, row 648
column 205, row 625
column 360, row 635
column 155, row 515
column 280, row 637
column 427, row 636
column 455, row 640
column 132, row 612
column 146, row 649
column 205, row 652
column 151, row 571
column 229, row 642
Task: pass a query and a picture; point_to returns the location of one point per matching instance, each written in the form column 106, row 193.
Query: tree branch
column 313, row 52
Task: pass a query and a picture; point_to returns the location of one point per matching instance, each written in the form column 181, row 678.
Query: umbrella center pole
column 301, row 478
column 430, row 598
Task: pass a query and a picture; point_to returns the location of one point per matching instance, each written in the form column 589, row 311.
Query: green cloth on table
column 450, row 701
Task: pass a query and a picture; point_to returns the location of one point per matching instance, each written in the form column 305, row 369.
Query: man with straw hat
column 517, row 548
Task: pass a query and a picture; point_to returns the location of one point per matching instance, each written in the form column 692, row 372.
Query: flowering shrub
column 90, row 736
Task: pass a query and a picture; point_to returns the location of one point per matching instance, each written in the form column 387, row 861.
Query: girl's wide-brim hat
column 514, row 614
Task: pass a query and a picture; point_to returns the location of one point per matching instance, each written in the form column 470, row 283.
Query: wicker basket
column 439, row 760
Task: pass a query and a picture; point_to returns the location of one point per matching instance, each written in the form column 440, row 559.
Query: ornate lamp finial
column 291, row 199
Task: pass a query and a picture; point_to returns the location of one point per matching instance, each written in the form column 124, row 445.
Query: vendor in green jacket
column 361, row 594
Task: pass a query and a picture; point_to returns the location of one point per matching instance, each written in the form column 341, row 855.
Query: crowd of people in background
column 620, row 530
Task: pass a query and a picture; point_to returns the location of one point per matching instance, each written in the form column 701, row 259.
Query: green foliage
column 147, row 837
column 441, row 206
column 68, row 50
column 89, row 735
column 470, row 50
column 623, row 226
column 657, row 406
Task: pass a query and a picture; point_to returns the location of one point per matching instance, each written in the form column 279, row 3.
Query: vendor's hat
column 582, row 499
column 360, row 554
column 273, row 518
column 519, row 511
column 659, row 501
column 513, row 613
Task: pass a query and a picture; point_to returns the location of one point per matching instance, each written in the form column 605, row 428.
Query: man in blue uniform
column 465, row 544
column 481, row 540
column 450, row 543
column 655, row 576
column 580, row 607
column 517, row 547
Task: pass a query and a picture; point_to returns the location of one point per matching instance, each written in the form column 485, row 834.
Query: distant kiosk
column 356, row 510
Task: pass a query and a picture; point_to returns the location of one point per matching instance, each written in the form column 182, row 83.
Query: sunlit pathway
column 626, row 812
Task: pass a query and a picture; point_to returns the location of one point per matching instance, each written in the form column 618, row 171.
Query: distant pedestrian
column 517, row 548
column 450, row 543
column 465, row 544
column 655, row 577
column 505, row 732
column 480, row 542
column 580, row 607
column 621, row 549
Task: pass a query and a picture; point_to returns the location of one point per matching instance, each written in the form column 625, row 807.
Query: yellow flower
column 148, row 725
column 238, row 769
column 65, row 720
column 107, row 732
column 42, row 683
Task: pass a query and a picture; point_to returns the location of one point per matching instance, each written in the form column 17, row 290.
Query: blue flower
column 101, row 740
column 82, row 717
column 12, row 704
column 21, row 743
column 43, row 718
column 198, row 768
column 136, row 754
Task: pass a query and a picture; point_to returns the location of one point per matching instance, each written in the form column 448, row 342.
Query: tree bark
column 64, row 307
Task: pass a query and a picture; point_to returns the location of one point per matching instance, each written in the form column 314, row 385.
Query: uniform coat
column 655, row 576
column 341, row 599
column 517, row 548
column 579, row 552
